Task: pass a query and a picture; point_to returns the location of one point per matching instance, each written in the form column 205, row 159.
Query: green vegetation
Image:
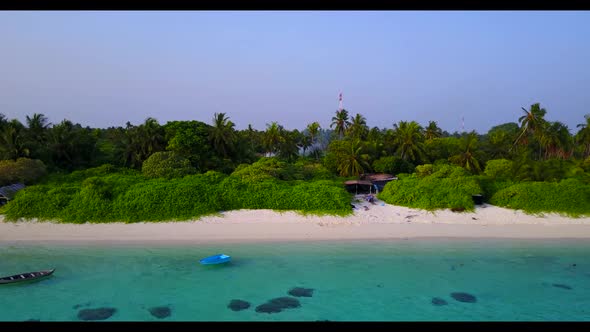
column 447, row 187
column 167, row 165
column 499, row 169
column 569, row 197
column 186, row 169
column 392, row 165
column 106, row 194
column 22, row 170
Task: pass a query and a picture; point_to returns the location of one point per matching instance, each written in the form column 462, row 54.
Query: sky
column 105, row 68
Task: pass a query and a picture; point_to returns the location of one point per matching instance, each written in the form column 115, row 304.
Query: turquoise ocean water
column 511, row 280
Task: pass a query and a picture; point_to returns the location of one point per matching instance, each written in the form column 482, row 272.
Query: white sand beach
column 376, row 221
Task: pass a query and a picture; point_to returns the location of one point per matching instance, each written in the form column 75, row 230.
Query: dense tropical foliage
column 185, row 169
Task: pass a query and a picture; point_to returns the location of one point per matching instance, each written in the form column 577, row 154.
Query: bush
column 23, row 170
column 319, row 197
column 317, row 171
column 167, row 165
column 569, row 197
column 499, row 169
column 178, row 199
column 78, row 176
column 449, row 171
column 491, row 186
column 551, row 170
column 269, row 168
column 131, row 197
column 40, row 201
column 433, row 191
column 424, row 170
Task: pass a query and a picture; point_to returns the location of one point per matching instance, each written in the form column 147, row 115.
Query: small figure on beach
column 370, row 198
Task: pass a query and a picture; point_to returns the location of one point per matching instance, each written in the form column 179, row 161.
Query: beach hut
column 379, row 180
column 359, row 186
column 8, row 192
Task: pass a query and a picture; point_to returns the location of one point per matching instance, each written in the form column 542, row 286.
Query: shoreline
column 375, row 222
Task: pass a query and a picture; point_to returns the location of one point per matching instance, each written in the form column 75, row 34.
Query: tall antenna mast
column 340, row 101
column 462, row 124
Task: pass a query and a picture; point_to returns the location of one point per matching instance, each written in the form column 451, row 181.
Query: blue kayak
column 215, row 259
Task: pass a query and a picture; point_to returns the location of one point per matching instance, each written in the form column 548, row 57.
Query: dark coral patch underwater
column 301, row 292
column 237, row 305
column 96, row 314
column 464, row 297
column 160, row 312
column 278, row 304
column 437, row 301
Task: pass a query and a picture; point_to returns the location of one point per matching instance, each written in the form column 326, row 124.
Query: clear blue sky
column 101, row 68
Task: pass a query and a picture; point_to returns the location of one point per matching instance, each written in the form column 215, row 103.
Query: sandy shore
column 369, row 221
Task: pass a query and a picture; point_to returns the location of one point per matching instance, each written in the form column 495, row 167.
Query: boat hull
column 28, row 276
column 216, row 259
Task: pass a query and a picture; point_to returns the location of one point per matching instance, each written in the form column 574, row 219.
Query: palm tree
column 63, row 143
column 305, row 143
column 351, row 161
column 500, row 139
column 142, row 141
column 407, row 136
column 557, row 141
column 583, row 136
column 466, row 158
column 222, row 134
column 289, row 144
column 432, row 131
column 272, row 137
column 37, row 134
column 341, row 122
column 72, row 146
column 358, row 128
column 12, row 141
column 531, row 122
column 251, row 136
column 3, row 121
column 37, row 123
column 312, row 130
column 152, row 137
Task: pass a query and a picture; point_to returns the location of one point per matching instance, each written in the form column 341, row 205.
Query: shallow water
column 353, row 281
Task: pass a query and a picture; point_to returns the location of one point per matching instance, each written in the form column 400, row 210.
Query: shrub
column 40, row 201
column 449, row 171
column 319, row 197
column 268, row 168
column 499, row 169
column 167, row 165
column 424, row 170
column 569, row 197
column 433, row 191
column 23, row 170
column 131, row 197
column 551, row 170
column 317, row 171
column 160, row 199
column 78, row 176
column 491, row 186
